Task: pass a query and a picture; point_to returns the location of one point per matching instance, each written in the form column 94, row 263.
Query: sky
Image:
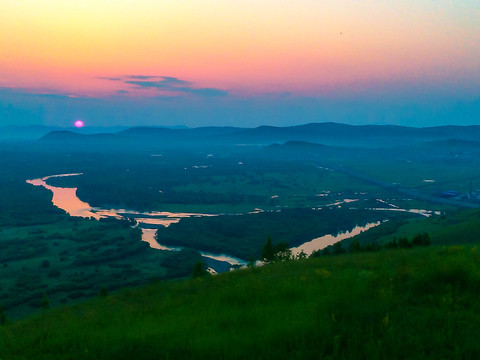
column 240, row 63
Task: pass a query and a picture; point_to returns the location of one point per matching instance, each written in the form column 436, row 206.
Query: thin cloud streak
column 168, row 84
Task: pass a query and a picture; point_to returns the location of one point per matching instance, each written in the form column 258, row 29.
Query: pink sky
column 240, row 50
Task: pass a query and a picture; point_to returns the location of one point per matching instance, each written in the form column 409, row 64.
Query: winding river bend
column 67, row 200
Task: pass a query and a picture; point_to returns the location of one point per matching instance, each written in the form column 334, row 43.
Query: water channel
column 67, row 200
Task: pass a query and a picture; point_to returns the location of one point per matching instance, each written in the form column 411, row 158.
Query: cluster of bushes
column 403, row 242
column 21, row 249
column 281, row 251
column 355, row 246
column 277, row 252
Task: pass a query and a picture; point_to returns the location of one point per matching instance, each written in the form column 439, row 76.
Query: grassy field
column 462, row 227
column 308, row 186
column 440, row 175
column 397, row 304
column 74, row 259
column 216, row 185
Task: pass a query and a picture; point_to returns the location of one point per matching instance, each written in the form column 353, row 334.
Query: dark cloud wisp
column 109, row 78
column 168, row 83
column 203, row 92
column 142, row 77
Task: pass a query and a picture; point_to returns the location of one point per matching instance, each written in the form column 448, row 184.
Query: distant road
column 402, row 190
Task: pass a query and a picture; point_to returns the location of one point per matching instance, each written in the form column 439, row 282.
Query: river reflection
column 327, row 240
column 148, row 235
column 67, row 200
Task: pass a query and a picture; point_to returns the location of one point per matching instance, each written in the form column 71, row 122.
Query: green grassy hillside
column 398, row 304
column 461, row 227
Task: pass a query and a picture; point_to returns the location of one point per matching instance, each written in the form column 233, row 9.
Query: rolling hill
column 334, row 134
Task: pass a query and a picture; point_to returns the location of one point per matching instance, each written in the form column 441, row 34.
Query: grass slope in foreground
column 416, row 303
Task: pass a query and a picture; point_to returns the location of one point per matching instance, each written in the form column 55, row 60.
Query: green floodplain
column 84, row 288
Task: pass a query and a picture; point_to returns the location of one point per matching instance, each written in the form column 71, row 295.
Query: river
column 67, row 200
column 327, row 240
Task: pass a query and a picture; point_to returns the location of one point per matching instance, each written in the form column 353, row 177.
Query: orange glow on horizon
column 306, row 47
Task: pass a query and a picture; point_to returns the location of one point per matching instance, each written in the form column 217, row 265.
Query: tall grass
column 416, row 303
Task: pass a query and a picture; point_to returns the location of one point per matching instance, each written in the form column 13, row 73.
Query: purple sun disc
column 79, row 123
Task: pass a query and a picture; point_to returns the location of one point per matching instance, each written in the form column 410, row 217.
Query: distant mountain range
column 332, row 134
column 37, row 131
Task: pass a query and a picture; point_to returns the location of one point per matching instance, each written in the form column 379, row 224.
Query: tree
column 315, row 253
column 268, row 252
column 103, row 291
column 3, row 318
column 426, row 241
column 301, row 255
column 282, row 252
column 278, row 252
column 354, row 246
column 199, row 270
column 421, row 239
column 404, row 243
column 392, row 244
column 338, row 248
column 417, row 240
column 327, row 250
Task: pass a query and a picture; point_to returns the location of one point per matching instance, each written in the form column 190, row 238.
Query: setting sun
column 79, row 124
